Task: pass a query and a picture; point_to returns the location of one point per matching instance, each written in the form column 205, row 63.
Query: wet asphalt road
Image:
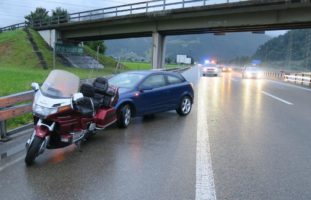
column 260, row 149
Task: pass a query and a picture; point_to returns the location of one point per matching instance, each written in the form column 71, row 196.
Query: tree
column 60, row 15
column 38, row 17
column 94, row 44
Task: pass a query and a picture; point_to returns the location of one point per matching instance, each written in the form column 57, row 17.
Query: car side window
column 173, row 80
column 154, row 81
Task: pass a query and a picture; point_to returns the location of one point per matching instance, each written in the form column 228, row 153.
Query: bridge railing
column 13, row 27
column 130, row 9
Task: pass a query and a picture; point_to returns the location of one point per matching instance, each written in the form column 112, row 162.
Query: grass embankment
column 19, row 66
column 143, row 65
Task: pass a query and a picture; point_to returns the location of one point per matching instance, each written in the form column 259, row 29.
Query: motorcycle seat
column 85, row 106
column 88, row 91
column 102, row 92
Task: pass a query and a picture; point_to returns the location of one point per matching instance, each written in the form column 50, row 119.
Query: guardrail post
column 131, row 9
column 164, row 3
column 3, row 135
column 147, row 5
column 302, row 79
column 204, row 2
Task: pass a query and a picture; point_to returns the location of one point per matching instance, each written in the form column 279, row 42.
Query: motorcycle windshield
column 60, row 84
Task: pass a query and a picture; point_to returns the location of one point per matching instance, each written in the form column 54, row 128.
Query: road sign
column 68, row 49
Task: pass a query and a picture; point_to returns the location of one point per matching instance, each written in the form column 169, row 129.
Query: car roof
column 148, row 72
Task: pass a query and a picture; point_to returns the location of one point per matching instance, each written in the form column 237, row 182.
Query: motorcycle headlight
column 44, row 111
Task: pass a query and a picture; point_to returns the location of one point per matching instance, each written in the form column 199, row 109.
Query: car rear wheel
column 124, row 116
column 184, row 106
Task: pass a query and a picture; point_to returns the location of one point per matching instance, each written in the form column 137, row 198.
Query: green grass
column 144, row 65
column 137, row 65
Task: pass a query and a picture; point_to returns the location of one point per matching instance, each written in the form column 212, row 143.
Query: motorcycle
column 63, row 116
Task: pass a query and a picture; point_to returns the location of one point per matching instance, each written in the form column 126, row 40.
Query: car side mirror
column 35, row 86
column 77, row 96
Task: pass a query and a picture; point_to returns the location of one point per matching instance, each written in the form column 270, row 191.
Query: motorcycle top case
column 105, row 117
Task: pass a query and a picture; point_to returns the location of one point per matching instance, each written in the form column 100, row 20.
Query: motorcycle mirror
column 77, row 96
column 35, row 86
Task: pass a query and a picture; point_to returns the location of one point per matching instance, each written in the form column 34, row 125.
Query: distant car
column 226, row 69
column 147, row 92
column 210, row 70
column 252, row 72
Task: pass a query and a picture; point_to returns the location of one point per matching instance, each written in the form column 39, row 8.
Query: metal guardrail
column 303, row 79
column 131, row 9
column 11, row 107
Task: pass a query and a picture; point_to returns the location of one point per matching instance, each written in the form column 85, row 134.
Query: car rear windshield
column 126, row 80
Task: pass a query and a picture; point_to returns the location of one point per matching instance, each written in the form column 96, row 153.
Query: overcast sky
column 13, row 11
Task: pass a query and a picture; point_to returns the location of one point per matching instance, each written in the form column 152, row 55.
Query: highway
column 244, row 139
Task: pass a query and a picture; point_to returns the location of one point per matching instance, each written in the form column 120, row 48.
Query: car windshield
column 60, row 84
column 210, row 65
column 126, row 80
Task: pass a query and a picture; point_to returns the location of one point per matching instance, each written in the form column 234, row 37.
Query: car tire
column 185, row 106
column 124, row 115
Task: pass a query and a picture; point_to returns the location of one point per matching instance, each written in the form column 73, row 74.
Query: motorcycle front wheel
column 33, row 150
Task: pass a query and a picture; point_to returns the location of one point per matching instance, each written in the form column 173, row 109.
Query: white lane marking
column 205, row 187
column 290, row 85
column 9, row 164
column 277, row 98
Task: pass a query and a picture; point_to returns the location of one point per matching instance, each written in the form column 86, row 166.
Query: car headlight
column 248, row 74
column 43, row 111
column 259, row 75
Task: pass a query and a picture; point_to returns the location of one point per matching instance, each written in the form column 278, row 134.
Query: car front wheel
column 124, row 116
column 184, row 106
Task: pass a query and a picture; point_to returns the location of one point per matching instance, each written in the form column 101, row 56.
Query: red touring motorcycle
column 64, row 116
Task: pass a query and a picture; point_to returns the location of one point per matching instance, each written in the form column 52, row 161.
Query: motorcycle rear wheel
column 33, row 150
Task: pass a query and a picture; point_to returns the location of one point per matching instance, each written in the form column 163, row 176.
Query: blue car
column 144, row 93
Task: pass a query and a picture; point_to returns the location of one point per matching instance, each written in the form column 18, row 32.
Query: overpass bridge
column 160, row 18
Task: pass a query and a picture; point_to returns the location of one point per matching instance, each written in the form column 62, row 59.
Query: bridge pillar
column 158, row 50
column 50, row 36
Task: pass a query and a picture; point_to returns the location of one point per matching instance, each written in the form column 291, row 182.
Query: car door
column 153, row 94
column 176, row 87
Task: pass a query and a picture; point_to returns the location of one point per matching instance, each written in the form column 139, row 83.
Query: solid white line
column 205, row 187
column 277, row 98
column 9, row 164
